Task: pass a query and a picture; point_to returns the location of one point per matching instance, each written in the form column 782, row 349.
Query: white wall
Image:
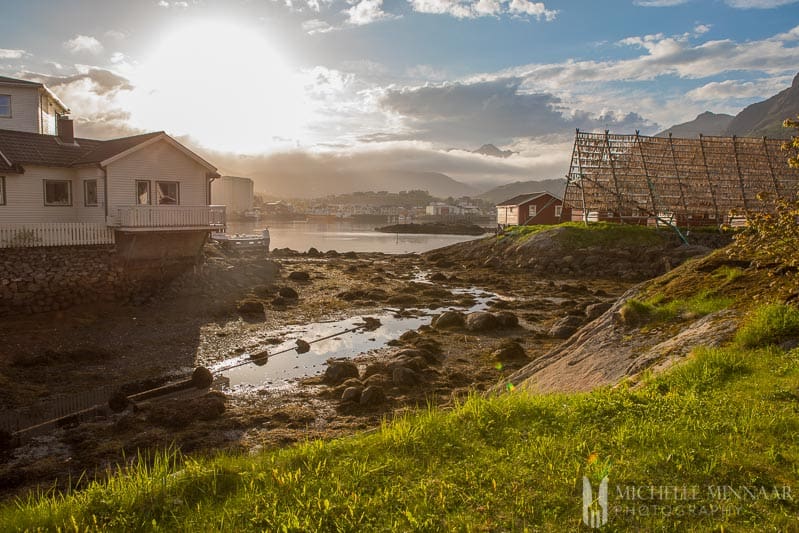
column 25, row 197
column 159, row 161
column 234, row 192
column 24, row 109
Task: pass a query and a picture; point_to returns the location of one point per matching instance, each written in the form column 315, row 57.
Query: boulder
column 449, row 320
column 313, row 252
column 375, row 368
column 352, row 394
column 373, row 395
column 507, row 320
column 565, row 327
column 340, row 371
column 298, row 275
column 251, row 308
column 302, row 346
column 510, row 352
column 438, row 276
column 404, row 377
column 594, row 311
column 482, row 321
column 288, row 293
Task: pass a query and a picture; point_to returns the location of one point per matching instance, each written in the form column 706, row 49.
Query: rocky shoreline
column 235, row 305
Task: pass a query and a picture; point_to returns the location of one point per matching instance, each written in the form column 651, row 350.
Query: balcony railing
column 160, row 217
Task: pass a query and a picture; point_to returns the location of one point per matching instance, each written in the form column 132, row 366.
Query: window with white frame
column 532, row 211
column 142, row 192
column 90, row 193
column 558, row 210
column 5, row 105
column 168, row 192
column 2, row 190
column 57, row 192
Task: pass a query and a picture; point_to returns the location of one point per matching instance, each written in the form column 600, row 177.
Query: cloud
column 491, row 111
column 165, row 4
column 366, row 12
column 659, row 3
column 83, row 43
column 758, row 4
column 314, row 26
column 736, row 4
column 701, row 29
column 535, row 9
column 717, row 91
column 6, row 53
column 115, row 34
column 469, row 9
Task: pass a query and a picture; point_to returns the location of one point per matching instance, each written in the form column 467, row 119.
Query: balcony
column 169, row 217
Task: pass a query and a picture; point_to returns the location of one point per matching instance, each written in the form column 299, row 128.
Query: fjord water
column 344, row 237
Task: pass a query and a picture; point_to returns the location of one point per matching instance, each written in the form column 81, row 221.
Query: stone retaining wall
column 35, row 280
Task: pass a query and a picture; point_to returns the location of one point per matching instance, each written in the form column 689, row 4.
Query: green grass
column 576, row 235
column 725, row 418
column 658, row 309
column 770, row 324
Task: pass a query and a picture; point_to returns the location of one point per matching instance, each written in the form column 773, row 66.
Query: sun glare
column 223, row 84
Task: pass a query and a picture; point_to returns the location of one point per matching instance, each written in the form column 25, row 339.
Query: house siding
column 25, row 197
column 514, row 215
column 159, row 161
column 24, row 109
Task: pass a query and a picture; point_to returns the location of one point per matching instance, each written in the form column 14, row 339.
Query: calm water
column 344, row 237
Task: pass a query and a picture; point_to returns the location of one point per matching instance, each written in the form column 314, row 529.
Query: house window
column 57, row 192
column 5, row 106
column 168, row 192
column 532, row 211
column 90, row 193
column 558, row 210
column 2, row 190
column 142, row 192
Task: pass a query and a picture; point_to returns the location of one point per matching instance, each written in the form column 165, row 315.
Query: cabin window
column 5, row 105
column 532, row 211
column 168, row 192
column 142, row 192
column 558, row 210
column 57, row 192
column 2, row 190
column 90, row 193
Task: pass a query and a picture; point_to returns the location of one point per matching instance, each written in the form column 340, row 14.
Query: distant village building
column 441, row 209
column 233, row 192
column 532, row 208
column 705, row 181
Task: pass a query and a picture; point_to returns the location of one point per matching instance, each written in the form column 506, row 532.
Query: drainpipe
column 105, row 190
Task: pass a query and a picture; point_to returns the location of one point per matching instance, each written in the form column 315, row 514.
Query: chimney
column 66, row 131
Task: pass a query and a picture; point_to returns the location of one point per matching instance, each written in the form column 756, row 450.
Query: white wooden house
column 56, row 189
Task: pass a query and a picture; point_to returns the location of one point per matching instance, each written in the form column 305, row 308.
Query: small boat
column 241, row 240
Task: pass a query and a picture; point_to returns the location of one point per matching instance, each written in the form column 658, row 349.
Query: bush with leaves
column 771, row 239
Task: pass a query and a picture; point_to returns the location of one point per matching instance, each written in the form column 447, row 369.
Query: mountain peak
column 493, row 151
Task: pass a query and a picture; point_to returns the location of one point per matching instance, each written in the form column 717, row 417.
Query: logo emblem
column 595, row 511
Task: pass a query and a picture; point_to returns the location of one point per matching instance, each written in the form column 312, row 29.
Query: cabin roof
column 523, row 198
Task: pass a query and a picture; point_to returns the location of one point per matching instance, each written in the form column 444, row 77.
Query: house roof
column 523, row 198
column 19, row 148
column 14, row 81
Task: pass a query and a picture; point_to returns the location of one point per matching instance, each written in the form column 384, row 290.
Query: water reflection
column 344, row 237
column 282, row 369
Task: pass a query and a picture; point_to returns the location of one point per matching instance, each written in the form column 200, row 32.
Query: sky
column 398, row 84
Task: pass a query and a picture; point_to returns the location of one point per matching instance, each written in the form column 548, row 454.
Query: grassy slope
column 726, row 417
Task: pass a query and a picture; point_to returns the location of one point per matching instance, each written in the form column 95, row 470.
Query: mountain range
column 757, row 120
column 503, row 192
